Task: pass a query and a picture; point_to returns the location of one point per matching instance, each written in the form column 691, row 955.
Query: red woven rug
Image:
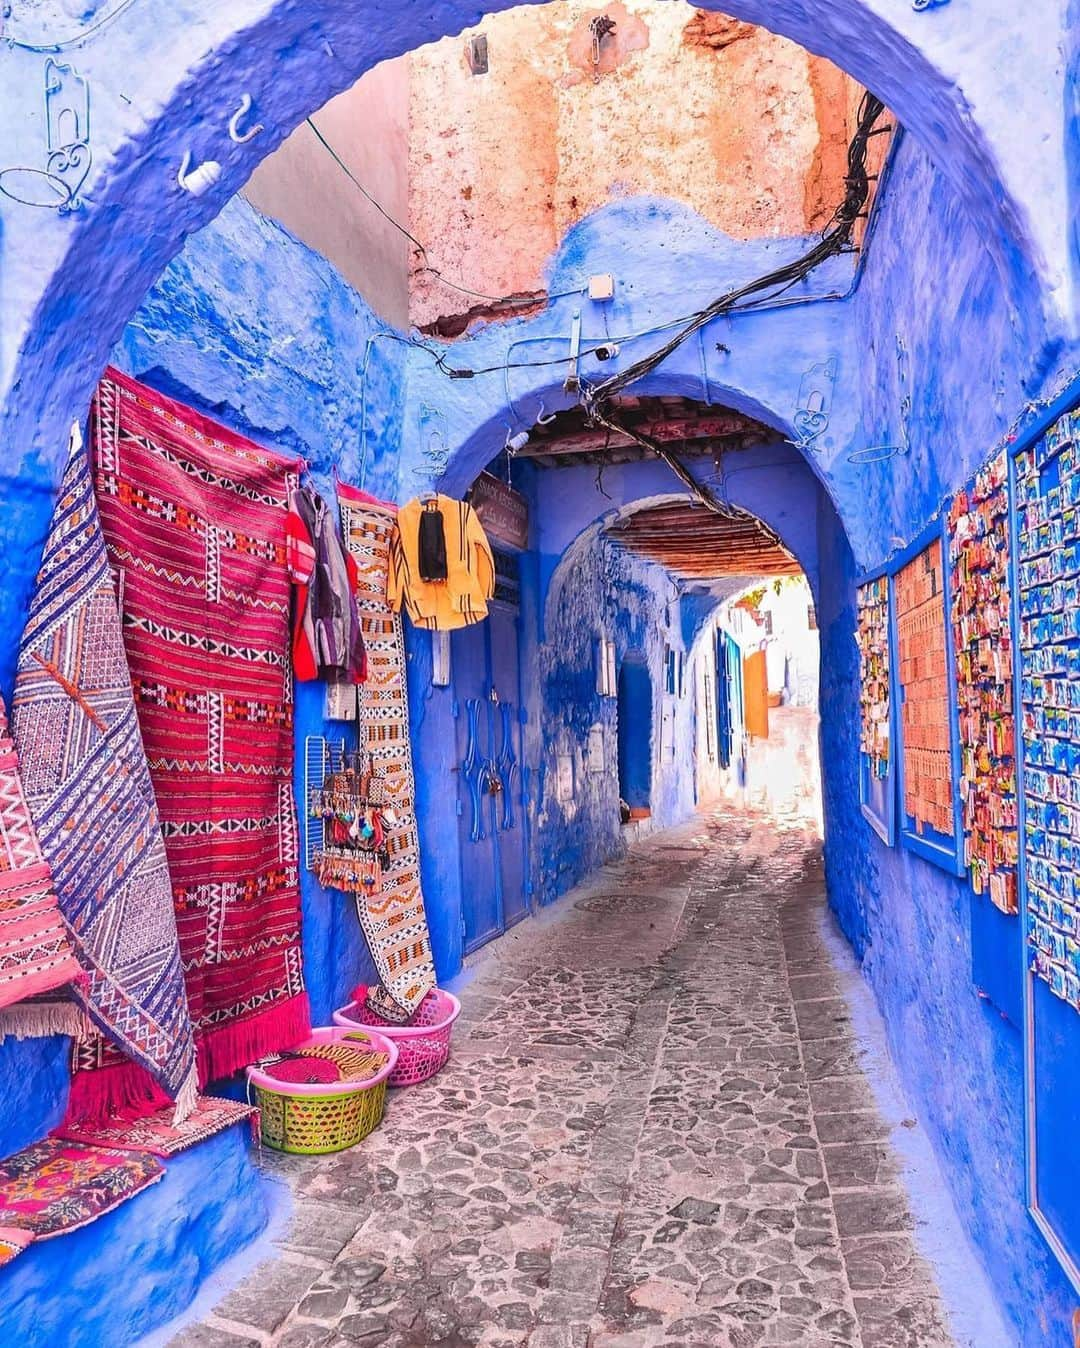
column 157, row 1134
column 194, row 518
column 55, row 1187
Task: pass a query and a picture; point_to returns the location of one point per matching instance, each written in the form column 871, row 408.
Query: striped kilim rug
column 36, row 951
column 88, row 787
column 393, row 921
column 194, row 517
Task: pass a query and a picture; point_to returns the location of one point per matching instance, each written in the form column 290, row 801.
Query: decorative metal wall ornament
column 814, row 407
column 879, row 453
column 67, row 145
column 600, row 28
column 67, row 120
column 434, row 441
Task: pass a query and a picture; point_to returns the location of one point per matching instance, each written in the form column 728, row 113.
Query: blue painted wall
column 971, row 362
column 250, row 327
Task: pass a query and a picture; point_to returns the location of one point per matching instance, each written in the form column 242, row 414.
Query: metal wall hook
column 542, row 419
column 235, row 134
column 199, row 179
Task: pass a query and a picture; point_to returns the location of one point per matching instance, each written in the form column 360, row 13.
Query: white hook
column 541, row 419
column 235, row 134
column 197, row 180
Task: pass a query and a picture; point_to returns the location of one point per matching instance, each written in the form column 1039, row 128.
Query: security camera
column 608, row 352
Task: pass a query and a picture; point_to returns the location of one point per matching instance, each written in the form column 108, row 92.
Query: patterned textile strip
column 158, row 1134
column 393, row 921
column 36, row 952
column 87, row 785
column 55, row 1187
column 195, row 521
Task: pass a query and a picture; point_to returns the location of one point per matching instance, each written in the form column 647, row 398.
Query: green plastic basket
column 314, row 1120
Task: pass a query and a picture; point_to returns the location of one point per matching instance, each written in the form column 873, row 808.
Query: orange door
column 756, row 695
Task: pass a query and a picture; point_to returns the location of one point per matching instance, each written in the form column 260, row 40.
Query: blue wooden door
column 724, row 692
column 472, row 690
column 508, row 806
column 486, row 673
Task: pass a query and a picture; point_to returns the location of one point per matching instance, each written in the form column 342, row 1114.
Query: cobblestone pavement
column 653, row 1131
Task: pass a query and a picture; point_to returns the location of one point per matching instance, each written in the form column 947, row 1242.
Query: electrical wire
column 63, row 43
column 835, row 238
column 503, row 301
column 363, row 190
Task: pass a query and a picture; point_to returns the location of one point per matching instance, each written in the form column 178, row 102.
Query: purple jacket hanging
column 327, row 641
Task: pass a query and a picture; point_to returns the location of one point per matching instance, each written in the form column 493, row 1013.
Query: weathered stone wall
column 745, row 127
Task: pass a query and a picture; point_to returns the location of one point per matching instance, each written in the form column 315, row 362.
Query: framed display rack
column 1045, row 537
column 877, row 731
column 927, row 749
column 984, row 651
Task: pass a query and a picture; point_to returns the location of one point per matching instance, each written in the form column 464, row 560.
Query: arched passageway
column 852, row 383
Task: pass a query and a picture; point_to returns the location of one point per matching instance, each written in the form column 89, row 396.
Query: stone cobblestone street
column 654, row 1130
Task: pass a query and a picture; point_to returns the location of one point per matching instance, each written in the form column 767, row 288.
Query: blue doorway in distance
column 635, row 730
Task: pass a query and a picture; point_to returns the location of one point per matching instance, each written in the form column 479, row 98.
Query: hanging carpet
column 157, row 1133
column 194, row 517
column 393, row 919
column 55, row 1187
column 36, row 951
column 86, row 782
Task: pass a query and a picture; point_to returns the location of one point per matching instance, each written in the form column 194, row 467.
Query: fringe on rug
column 128, row 1089
column 36, row 1020
column 228, row 1048
column 108, row 1092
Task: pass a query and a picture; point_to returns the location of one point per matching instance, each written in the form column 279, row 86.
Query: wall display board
column 1048, row 501
column 983, row 651
column 929, row 804
column 877, row 794
column 1046, row 615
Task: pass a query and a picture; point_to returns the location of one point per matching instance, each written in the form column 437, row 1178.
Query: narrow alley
column 654, row 1129
column 540, row 691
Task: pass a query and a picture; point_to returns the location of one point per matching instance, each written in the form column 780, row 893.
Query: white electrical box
column 602, row 287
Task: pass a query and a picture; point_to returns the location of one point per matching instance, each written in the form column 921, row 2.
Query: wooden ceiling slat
column 696, row 543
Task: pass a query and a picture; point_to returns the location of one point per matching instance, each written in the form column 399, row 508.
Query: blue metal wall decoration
column 475, row 770
column 67, row 156
column 506, row 765
column 814, row 407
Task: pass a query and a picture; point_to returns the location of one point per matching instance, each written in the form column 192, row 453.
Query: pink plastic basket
column 423, row 1045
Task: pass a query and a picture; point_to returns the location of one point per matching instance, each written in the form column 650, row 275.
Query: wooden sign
column 503, row 512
